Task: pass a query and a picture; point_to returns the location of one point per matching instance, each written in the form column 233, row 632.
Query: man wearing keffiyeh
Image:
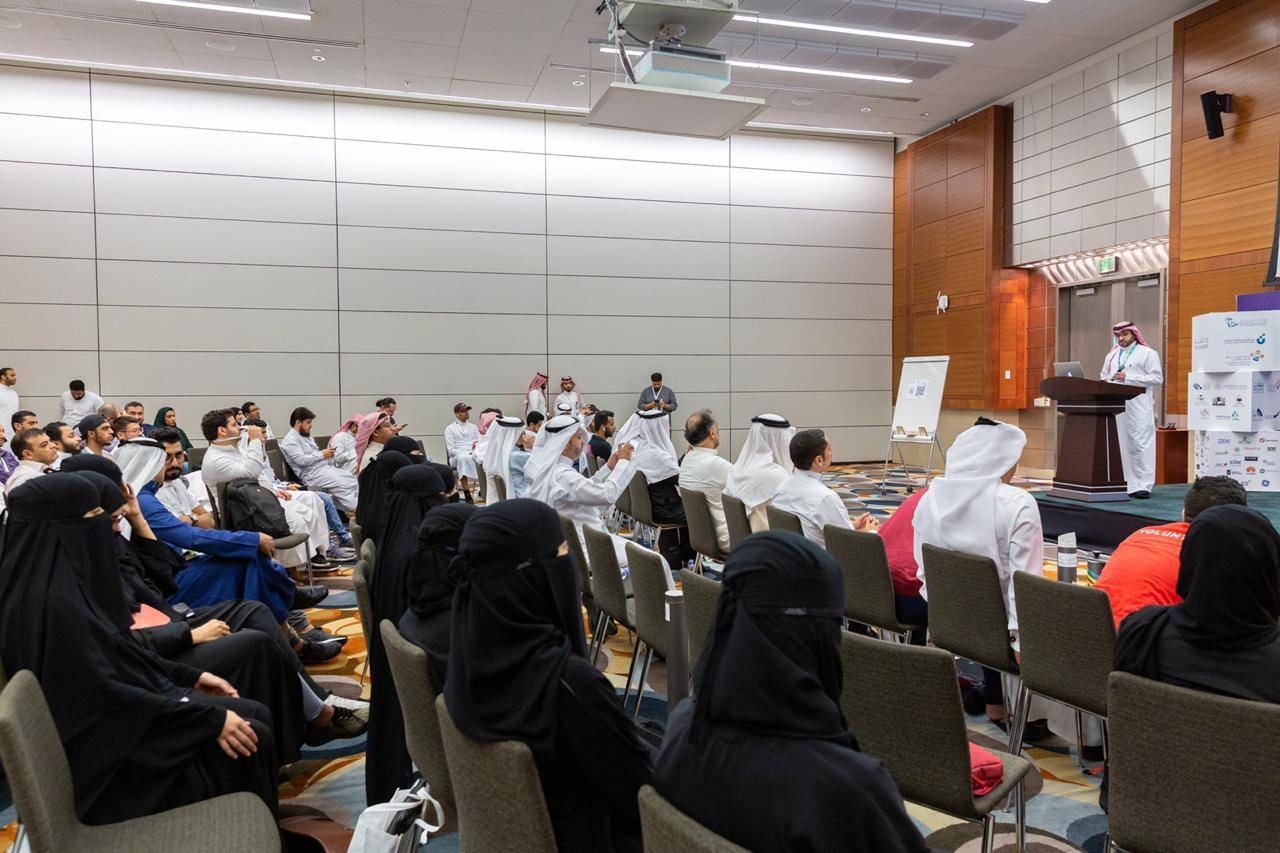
column 1132, row 362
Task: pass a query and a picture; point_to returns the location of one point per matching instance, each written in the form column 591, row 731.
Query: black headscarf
column 516, row 620
column 431, row 579
column 446, row 474
column 93, row 462
column 375, row 481
column 407, row 446
column 772, row 662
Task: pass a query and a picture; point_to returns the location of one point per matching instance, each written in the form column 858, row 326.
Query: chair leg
column 598, row 632
column 1020, row 817
column 1079, row 715
column 644, row 673
column 988, row 833
column 635, row 654
column 697, row 565
column 1106, row 741
column 1021, row 708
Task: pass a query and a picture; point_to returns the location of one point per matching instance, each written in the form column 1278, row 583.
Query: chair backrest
column 641, row 505
column 1067, row 639
column 195, row 457
column 1191, row 771
column 649, row 583
column 273, row 444
column 369, row 552
column 781, row 519
column 276, row 459
column 498, row 793
column 482, row 482
column 666, row 829
column 580, row 563
column 217, row 500
column 868, row 589
column 36, row 765
column 607, row 587
column 737, row 519
column 903, row 702
column 500, row 486
column 360, row 577
column 322, row 441
column 967, row 616
column 421, row 727
column 357, row 533
column 701, row 595
column 623, row 503
column 593, row 463
column 702, row 527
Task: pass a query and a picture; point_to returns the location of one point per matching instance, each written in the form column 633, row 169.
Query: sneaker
column 1141, row 495
column 346, row 723
column 309, row 596
column 323, row 652
column 316, row 635
column 350, row 704
column 321, row 566
column 340, row 555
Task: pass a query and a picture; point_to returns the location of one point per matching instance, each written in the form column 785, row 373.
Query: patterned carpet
column 1062, row 811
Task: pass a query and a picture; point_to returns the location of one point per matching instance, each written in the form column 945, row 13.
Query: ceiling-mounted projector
column 676, row 85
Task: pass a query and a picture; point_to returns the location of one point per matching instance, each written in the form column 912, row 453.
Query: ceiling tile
column 815, row 10
column 222, row 63
column 332, row 19
column 124, row 54
column 392, row 82
column 491, row 66
column 12, row 42
column 558, row 9
column 572, row 43
column 490, row 91
column 511, row 33
column 427, row 60
column 212, row 20
column 320, row 72
column 862, row 14
column 185, row 41
column 292, row 51
column 31, row 26
column 124, row 35
column 397, row 19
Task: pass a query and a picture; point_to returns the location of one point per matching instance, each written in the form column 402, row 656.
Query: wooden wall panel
column 1252, row 84
column 965, row 191
column 1230, row 222
column 1238, row 33
column 1250, row 152
column 930, row 164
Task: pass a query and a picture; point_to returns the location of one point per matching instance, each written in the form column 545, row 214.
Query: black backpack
column 251, row 507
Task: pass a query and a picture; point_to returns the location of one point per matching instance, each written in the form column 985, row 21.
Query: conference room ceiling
column 537, row 51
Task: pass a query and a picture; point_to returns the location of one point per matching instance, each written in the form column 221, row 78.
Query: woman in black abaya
column 134, row 746
column 375, row 481
column 765, row 717
column 518, row 671
column 429, row 586
column 415, row 489
column 1223, row 637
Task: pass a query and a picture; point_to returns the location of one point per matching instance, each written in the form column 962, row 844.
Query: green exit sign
column 1106, row 264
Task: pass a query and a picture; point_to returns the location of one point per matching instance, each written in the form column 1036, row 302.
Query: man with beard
column 67, row 439
column 602, row 429
column 314, row 466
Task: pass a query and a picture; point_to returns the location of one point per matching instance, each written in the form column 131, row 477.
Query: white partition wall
column 198, row 245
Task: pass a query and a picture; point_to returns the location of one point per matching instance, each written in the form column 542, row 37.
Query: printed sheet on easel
column 920, row 394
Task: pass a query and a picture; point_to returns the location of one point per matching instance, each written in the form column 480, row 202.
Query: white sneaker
column 350, row 704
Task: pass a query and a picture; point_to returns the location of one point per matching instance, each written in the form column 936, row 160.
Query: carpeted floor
column 1062, row 811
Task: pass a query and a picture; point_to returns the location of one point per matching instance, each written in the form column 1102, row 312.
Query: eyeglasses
column 181, row 454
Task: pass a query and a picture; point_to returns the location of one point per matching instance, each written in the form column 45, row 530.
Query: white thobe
column 572, row 398
column 535, row 402
column 583, row 500
column 177, row 498
column 370, row 453
column 704, row 470
column 344, row 451
column 27, row 470
column 72, row 411
column 319, row 473
column 9, row 404
column 804, row 495
column 1019, row 545
column 1137, row 425
column 459, row 440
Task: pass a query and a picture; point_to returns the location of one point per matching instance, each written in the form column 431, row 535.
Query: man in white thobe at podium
column 1132, row 362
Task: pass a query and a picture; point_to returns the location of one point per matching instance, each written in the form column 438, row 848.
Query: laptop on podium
column 1068, row 368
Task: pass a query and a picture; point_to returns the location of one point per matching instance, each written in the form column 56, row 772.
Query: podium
column 1089, row 467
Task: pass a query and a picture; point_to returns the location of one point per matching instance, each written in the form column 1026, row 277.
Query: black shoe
column 309, row 596
column 1141, row 494
column 974, row 704
column 346, row 724
column 1091, row 753
column 324, row 652
column 316, row 635
column 466, row 497
column 1036, row 730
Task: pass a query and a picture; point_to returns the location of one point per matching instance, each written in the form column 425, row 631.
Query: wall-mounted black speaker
column 1214, row 105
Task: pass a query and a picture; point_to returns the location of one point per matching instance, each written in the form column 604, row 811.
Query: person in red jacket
column 898, row 534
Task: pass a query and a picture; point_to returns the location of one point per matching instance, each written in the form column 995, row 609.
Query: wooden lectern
column 1089, row 467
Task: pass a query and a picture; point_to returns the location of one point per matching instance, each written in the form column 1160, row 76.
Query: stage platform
column 1102, row 526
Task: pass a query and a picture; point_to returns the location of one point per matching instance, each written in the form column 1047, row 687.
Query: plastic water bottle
column 1067, row 558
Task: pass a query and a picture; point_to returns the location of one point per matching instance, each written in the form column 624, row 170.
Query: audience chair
column 622, row 510
column 278, row 465
column 649, row 580
column 868, row 588
column 1067, row 639
column 570, row 531
column 701, row 595
column 283, row 543
column 322, row 441
column 360, row 577
column 642, row 506
column 357, row 533
column 593, row 463
column 737, row 518
column 903, row 702
column 271, row 444
column 369, row 553
column 498, row 793
column 417, row 696
column 500, row 486
column 609, row 591
column 780, row 519
column 195, row 457
column 482, row 483
column 702, row 528
column 1191, row 771
column 967, row 617
column 666, row 829
column 40, row 778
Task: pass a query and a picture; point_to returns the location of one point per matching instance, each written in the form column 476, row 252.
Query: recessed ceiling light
column 924, row 115
column 315, row 57
column 864, row 109
column 10, row 24
column 221, row 46
column 791, row 69
column 802, row 101
column 578, row 83
column 225, row 7
column 407, row 84
column 853, row 31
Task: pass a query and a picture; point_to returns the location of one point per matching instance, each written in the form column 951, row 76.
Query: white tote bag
column 398, row 826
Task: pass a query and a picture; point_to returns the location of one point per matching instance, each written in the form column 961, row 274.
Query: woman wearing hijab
column 518, row 671
column 1132, row 362
column 167, row 417
column 429, row 585
column 765, row 717
column 1223, row 637
column 375, row 480
column 762, row 465
column 141, row 735
column 535, row 399
column 415, row 489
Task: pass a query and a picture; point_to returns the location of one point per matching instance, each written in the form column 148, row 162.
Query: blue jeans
column 335, row 521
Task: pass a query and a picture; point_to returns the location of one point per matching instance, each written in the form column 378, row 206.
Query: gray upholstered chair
column 1067, row 638
column 357, row 533
column 666, row 829
column 417, row 696
column 500, row 486
column 593, row 463
column 868, row 588
column 272, row 444
column 498, row 793
column 218, row 500
column 622, row 510
column 195, row 457
column 37, row 770
column 702, row 528
column 276, row 460
column 369, row 552
column 607, row 588
column 1191, row 771
column 580, row 564
column 360, row 576
column 701, row 595
column 780, row 519
column 913, row 721
column 737, row 518
column 642, row 506
column 649, row 582
column 967, row 617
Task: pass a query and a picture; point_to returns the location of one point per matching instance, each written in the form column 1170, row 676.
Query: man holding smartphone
column 657, row 396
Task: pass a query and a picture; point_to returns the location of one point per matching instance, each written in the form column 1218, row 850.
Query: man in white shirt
column 64, row 438
column 804, row 495
column 535, row 399
column 176, row 496
column 23, row 419
column 77, row 403
column 316, row 467
column 9, row 401
column 762, row 464
column 35, row 454
column 96, row 433
column 460, row 438
column 704, row 470
column 569, row 396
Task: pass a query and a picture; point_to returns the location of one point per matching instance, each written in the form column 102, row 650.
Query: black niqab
column 375, row 481
column 433, row 576
column 407, row 446
column 81, row 462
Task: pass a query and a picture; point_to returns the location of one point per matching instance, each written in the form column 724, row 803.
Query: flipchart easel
column 915, row 414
